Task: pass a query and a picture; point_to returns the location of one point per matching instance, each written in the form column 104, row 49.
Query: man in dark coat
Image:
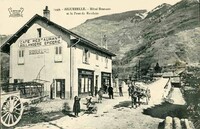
column 120, row 90
column 134, row 99
column 76, row 106
column 95, row 91
column 110, row 92
column 139, row 96
column 105, row 88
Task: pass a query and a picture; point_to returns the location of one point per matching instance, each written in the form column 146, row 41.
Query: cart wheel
column 11, row 111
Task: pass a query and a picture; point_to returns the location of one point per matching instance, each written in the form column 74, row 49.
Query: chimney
column 46, row 13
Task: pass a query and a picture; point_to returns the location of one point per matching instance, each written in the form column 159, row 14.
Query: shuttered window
column 58, row 54
column 21, row 57
column 86, row 56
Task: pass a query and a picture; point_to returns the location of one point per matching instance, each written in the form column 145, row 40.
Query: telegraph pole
column 105, row 41
column 199, row 11
column 139, row 70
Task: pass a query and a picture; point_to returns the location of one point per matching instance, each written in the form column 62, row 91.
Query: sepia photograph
column 85, row 64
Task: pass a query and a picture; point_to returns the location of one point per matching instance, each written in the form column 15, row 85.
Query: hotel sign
column 37, row 42
column 85, row 72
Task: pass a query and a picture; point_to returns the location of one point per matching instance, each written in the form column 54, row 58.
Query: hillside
column 168, row 35
column 111, row 25
column 4, row 58
column 134, row 14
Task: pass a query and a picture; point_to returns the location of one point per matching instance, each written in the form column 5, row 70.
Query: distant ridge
column 120, row 16
column 168, row 35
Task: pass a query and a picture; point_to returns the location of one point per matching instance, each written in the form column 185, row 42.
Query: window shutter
column 22, row 53
column 21, row 57
column 39, row 32
column 83, row 55
column 56, row 50
column 19, row 53
column 60, row 50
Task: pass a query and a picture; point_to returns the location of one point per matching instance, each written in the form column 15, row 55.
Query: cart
column 11, row 108
column 15, row 97
column 91, row 106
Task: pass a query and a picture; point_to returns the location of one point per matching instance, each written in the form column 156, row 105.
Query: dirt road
column 112, row 114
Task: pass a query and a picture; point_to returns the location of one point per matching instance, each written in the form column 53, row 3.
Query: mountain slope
column 4, row 58
column 159, row 37
column 169, row 34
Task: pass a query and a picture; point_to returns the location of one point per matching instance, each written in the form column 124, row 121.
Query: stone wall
column 176, row 123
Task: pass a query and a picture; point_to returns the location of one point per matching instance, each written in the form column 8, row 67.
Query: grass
column 166, row 109
column 34, row 115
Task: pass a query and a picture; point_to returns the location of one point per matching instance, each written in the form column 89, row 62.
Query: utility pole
column 199, row 12
column 139, row 70
column 136, row 72
column 105, row 41
column 103, row 38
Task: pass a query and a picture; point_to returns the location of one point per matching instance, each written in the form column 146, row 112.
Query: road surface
column 108, row 117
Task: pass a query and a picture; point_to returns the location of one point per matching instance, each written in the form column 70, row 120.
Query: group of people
column 100, row 92
column 137, row 94
column 104, row 90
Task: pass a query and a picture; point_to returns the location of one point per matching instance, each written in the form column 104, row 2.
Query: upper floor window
column 97, row 57
column 58, row 50
column 21, row 57
column 58, row 54
column 86, row 56
column 39, row 30
column 21, row 53
column 106, row 60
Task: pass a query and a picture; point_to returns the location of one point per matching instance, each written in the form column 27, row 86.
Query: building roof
column 6, row 46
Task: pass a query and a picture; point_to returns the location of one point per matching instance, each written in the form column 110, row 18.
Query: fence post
column 168, row 123
column 177, row 123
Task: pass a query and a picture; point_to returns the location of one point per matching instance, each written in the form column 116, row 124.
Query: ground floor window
column 85, row 80
column 17, row 81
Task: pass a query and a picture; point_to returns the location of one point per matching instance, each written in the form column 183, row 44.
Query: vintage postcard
column 103, row 64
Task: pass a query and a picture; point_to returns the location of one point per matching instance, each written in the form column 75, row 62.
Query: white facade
column 43, row 52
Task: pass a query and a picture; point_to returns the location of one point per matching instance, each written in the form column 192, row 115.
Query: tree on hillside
column 4, row 68
column 157, row 68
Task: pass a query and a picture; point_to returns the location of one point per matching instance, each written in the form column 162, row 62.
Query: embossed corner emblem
column 15, row 13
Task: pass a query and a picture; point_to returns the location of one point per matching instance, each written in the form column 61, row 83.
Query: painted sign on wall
column 44, row 41
column 38, row 51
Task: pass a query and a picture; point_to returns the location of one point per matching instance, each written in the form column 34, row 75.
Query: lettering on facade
column 86, row 72
column 106, row 74
column 44, row 41
column 38, row 51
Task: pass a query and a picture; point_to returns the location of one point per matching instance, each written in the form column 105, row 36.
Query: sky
column 61, row 14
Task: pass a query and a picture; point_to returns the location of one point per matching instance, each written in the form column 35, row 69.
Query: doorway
column 58, row 89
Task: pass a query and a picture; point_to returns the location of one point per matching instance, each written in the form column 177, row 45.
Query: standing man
column 139, row 96
column 105, row 88
column 120, row 90
column 95, row 90
column 134, row 99
column 110, row 92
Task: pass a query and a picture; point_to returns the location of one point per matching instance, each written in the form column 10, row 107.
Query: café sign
column 44, row 41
